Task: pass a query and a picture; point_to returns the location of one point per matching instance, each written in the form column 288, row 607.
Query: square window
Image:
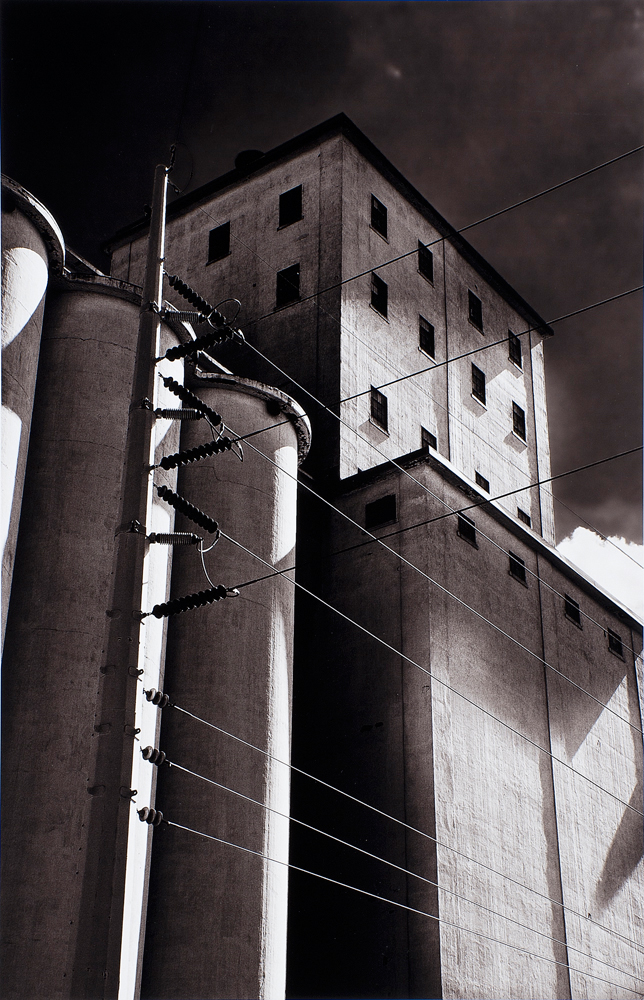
column 482, row 482
column 381, row 511
column 521, row 514
column 427, row 439
column 615, row 643
column 379, row 294
column 219, row 242
column 517, row 568
column 426, row 336
column 290, row 206
column 518, row 421
column 514, row 349
column 475, row 310
column 478, row 384
column 378, row 216
column 571, row 610
column 425, row 262
column 467, row 529
column 379, row 408
column 287, row 288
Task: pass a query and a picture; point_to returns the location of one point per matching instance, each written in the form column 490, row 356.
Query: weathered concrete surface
column 217, row 915
column 67, row 748
column 31, row 244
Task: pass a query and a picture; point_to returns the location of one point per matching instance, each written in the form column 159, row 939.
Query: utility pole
column 98, row 954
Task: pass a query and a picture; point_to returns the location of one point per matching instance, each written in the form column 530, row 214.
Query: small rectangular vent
column 381, row 511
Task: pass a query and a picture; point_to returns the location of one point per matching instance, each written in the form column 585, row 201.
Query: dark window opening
column 427, row 439
column 521, row 514
column 287, row 288
column 475, row 310
column 425, row 262
column 381, row 511
column 514, row 349
column 467, row 529
column 571, row 610
column 518, row 421
column 517, row 568
column 219, row 242
column 379, row 294
column 426, row 336
column 378, row 216
column 379, row 408
column 615, row 643
column 290, row 206
column 482, row 482
column 478, row 384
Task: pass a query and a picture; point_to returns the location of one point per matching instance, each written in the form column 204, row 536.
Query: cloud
column 602, row 561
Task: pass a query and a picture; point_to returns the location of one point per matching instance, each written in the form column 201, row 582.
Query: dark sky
column 479, row 104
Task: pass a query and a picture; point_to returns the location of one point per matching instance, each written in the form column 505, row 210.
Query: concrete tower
column 489, row 701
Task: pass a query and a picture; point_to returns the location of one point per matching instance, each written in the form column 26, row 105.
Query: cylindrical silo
column 32, row 246
column 216, row 923
column 70, row 711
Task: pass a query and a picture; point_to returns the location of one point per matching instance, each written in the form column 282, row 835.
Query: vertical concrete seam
column 404, row 740
column 536, row 444
column 552, row 774
column 449, row 436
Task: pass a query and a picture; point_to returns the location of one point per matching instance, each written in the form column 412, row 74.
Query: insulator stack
column 153, row 755
column 200, row 344
column 186, row 316
column 185, row 507
column 173, row 537
column 191, row 601
column 152, row 816
column 189, row 293
column 183, row 414
column 196, row 454
column 157, row 697
column 189, row 397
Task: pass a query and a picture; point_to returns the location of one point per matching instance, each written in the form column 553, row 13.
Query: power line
column 391, row 864
column 375, row 538
column 486, row 347
column 445, row 684
column 403, row 906
column 402, row 823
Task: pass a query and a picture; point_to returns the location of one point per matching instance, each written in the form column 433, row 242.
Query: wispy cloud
column 608, row 566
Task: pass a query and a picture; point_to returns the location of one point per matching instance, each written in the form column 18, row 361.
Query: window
column 518, row 421
column 571, row 610
column 427, row 439
column 615, row 643
column 514, row 349
column 517, row 568
column 379, row 408
column 467, row 529
column 482, row 482
column 379, row 292
column 290, row 206
column 378, row 217
column 382, row 511
column 426, row 336
column 475, row 310
column 287, row 288
column 521, row 514
column 478, row 384
column 425, row 262
column 219, row 242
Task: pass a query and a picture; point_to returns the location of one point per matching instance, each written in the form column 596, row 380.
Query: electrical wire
column 407, row 826
column 444, row 589
column 443, row 683
column 391, row 864
column 402, row 906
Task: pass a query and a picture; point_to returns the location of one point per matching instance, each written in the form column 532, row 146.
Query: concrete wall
column 217, row 916
column 536, row 842
column 31, row 243
column 69, row 708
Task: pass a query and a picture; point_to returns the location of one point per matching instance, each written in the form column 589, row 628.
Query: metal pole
column 98, row 955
